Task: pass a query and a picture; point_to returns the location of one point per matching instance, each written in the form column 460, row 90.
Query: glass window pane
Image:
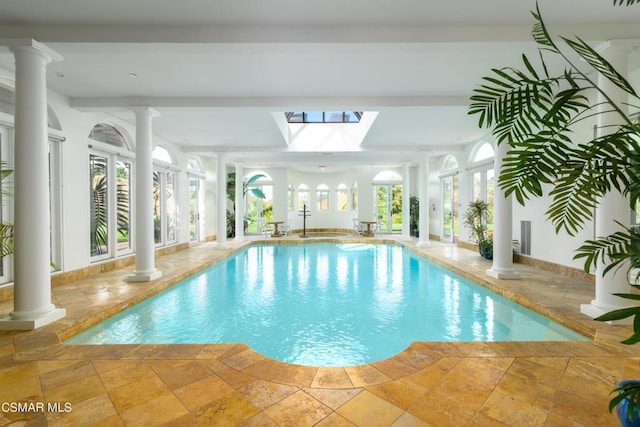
column 157, row 215
column 107, row 134
column 303, row 196
column 322, row 197
column 313, row 117
column 477, row 186
column 334, row 117
column 98, row 210
column 354, row 197
column 342, row 197
column 171, row 207
column 161, row 153
column 484, row 152
column 295, row 117
column 123, row 205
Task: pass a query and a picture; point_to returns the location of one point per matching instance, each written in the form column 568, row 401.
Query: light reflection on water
column 324, row 304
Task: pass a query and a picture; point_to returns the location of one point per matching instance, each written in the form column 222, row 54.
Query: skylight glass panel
column 323, row 116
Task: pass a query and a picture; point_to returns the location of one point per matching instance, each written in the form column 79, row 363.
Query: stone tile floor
column 428, row 384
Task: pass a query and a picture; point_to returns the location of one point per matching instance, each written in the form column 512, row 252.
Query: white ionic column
column 32, row 250
column 145, row 269
column 502, row 225
column 613, row 206
column 406, row 195
column 221, row 231
column 423, row 186
column 239, row 203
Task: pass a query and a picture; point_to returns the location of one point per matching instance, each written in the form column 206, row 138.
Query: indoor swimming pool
column 325, row 304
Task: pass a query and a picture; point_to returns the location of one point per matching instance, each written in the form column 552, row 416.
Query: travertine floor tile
column 429, row 384
column 367, row 409
column 298, row 410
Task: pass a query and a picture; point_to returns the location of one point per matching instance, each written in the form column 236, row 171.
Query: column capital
column 145, row 110
column 25, row 45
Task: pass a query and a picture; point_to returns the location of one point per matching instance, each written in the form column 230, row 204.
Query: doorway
column 449, row 208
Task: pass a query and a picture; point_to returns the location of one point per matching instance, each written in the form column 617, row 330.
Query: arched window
column 342, row 197
column 322, row 197
column 387, row 176
column 483, row 151
column 110, row 168
column 193, row 165
column 303, row 196
column 450, row 163
column 354, row 196
column 482, row 174
column 108, row 134
column 8, row 106
column 290, row 198
column 162, row 154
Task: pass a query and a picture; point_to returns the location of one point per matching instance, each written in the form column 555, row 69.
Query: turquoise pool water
column 325, row 304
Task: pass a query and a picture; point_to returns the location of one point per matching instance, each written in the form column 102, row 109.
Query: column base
column 224, row 245
column 594, row 310
column 423, row 243
column 144, row 276
column 503, row 273
column 238, row 239
column 10, row 324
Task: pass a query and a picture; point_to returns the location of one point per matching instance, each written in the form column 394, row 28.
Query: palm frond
column 6, row 239
column 611, row 251
column 603, row 66
column 625, row 2
column 540, row 33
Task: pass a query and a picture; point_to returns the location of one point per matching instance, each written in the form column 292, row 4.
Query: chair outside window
column 357, row 227
column 286, row 228
column 265, row 229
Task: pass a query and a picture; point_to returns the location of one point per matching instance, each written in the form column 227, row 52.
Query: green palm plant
column 99, row 205
column 535, row 111
column 231, row 195
column 6, row 230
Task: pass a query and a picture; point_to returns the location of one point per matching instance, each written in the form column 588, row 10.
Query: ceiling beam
column 270, row 103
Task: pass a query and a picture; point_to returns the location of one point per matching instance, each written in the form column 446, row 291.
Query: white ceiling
column 217, row 70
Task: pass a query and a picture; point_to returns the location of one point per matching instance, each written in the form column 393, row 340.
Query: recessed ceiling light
column 133, row 75
column 60, row 74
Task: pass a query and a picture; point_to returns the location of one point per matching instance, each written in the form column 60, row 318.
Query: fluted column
column 613, row 207
column 32, row 250
column 145, row 269
column 423, row 186
column 406, row 196
column 221, row 231
column 502, row 225
column 239, row 203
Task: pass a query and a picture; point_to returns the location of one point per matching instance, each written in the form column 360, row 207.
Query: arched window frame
column 117, row 162
column 322, row 197
column 303, row 196
column 290, row 198
column 342, row 197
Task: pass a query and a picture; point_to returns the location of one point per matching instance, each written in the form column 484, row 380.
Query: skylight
column 323, row 116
